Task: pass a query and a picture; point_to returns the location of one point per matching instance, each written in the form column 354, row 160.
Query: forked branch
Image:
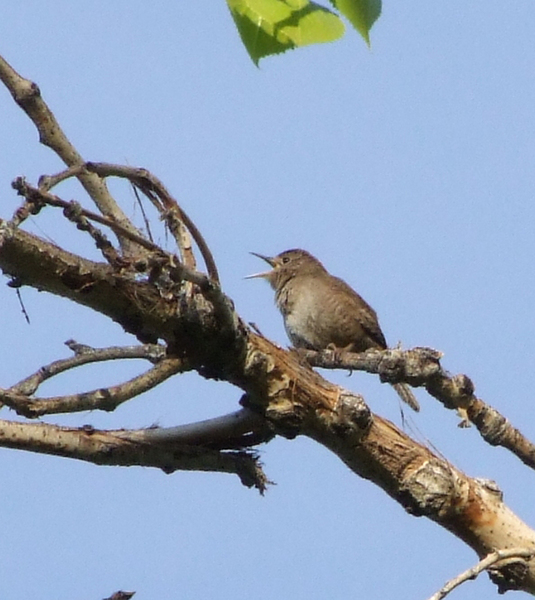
column 169, row 209
column 491, row 560
column 27, row 95
column 84, row 355
column 104, row 398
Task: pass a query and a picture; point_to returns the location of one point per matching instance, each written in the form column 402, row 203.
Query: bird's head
column 287, row 265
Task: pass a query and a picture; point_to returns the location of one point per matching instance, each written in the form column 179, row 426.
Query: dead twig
column 84, row 355
column 39, row 198
column 27, row 95
column 106, row 398
column 168, row 207
column 484, row 564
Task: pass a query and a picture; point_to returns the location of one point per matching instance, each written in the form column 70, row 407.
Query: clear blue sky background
column 408, row 170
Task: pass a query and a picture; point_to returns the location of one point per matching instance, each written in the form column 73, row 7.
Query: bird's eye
column 285, row 260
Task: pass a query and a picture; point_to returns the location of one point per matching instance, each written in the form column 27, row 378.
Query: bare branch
column 420, row 367
column 45, row 266
column 202, row 331
column 107, row 448
column 85, row 355
column 107, row 399
column 176, row 218
column 169, row 208
column 28, row 96
column 47, row 182
column 489, row 560
column 236, row 430
column 138, row 305
column 298, row 401
column 178, row 272
column 38, row 198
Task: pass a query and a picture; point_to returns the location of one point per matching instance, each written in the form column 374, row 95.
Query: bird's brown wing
column 363, row 312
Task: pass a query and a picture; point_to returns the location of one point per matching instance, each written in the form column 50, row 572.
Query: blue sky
column 408, row 169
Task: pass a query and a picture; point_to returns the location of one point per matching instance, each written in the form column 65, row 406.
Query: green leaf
column 362, row 14
column 273, row 26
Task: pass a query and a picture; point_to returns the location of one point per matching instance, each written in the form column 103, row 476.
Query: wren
column 322, row 311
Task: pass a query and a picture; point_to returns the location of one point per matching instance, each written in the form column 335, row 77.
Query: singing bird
column 322, row 311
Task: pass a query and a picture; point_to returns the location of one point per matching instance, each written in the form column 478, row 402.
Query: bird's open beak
column 265, row 273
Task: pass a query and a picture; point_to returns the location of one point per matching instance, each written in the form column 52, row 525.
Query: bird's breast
column 301, row 308
column 319, row 313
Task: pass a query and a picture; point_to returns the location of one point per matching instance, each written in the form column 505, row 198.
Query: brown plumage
column 320, row 310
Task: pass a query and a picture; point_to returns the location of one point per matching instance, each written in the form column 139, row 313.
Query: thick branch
column 297, row 401
column 293, row 398
column 108, row 448
column 136, row 305
column 142, row 307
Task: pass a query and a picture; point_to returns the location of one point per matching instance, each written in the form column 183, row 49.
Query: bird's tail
column 406, row 395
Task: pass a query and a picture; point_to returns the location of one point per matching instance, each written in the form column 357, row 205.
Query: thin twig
column 33, row 194
column 207, row 285
column 28, row 96
column 85, row 355
column 482, row 565
column 107, row 399
column 74, row 213
column 47, row 182
column 147, row 182
column 22, row 307
column 143, row 213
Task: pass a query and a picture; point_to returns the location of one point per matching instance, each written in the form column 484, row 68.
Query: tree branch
column 28, row 96
column 489, row 560
column 286, row 395
column 160, row 263
column 109, row 448
column 86, row 355
column 107, row 399
column 420, row 367
column 36, row 198
column 168, row 207
column 239, row 429
column 297, row 401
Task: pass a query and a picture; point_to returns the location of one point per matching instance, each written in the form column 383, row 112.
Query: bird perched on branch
column 321, row 311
